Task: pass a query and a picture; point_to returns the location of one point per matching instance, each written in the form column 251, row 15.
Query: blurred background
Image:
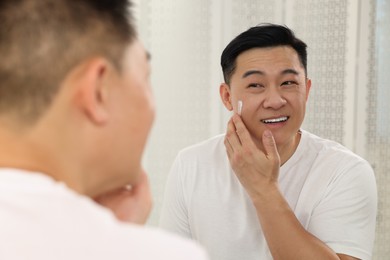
column 348, row 62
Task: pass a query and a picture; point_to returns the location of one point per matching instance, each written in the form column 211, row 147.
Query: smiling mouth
column 275, row 120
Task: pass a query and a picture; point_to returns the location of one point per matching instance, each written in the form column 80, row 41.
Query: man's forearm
column 286, row 237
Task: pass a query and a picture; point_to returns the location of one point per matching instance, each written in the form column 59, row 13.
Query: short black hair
column 261, row 36
column 42, row 40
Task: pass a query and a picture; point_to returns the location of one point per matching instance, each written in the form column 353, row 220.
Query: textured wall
column 323, row 25
column 378, row 120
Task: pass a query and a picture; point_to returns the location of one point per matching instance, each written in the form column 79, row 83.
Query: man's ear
column 224, row 92
column 308, row 87
column 92, row 87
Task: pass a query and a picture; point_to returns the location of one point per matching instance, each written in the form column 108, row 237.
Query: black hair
column 42, row 40
column 261, row 36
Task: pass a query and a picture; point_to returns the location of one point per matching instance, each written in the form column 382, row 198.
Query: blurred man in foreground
column 75, row 112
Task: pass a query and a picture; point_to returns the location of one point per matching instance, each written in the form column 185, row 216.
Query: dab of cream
column 239, row 110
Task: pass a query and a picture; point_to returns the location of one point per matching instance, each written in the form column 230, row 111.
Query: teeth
column 275, row 120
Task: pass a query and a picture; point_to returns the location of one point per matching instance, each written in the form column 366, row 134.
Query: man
column 75, row 112
column 268, row 189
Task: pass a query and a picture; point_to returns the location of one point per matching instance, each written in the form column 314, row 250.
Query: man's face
column 133, row 112
column 272, row 84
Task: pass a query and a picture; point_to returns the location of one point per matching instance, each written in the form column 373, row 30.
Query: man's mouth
column 275, row 120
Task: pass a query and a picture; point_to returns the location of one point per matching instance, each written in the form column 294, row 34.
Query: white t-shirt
column 44, row 220
column 331, row 191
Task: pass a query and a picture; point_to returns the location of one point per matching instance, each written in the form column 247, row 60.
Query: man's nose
column 273, row 98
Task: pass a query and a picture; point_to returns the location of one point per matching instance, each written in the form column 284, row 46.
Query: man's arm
column 258, row 173
column 286, row 237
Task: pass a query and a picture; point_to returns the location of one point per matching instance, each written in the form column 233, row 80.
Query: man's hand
column 130, row 204
column 256, row 170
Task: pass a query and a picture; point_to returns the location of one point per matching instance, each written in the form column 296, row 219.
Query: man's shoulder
column 332, row 152
column 99, row 235
column 324, row 146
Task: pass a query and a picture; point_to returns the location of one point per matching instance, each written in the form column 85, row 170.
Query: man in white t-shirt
column 75, row 112
column 268, row 189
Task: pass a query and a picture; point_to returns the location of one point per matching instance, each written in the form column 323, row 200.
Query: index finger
column 242, row 131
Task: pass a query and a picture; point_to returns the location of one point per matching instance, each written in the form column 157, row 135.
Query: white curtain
column 348, row 62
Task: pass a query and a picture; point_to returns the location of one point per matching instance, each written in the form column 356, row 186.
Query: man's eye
column 289, row 83
column 255, row 85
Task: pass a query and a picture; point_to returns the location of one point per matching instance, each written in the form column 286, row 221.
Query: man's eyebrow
column 290, row 71
column 251, row 72
column 284, row 72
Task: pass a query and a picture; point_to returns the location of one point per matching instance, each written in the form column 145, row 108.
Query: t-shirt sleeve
column 345, row 217
column 174, row 213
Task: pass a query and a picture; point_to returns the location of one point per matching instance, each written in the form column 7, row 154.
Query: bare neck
column 22, row 150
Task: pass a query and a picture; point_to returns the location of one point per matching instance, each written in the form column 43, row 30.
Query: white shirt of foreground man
column 230, row 192
column 47, row 220
column 76, row 109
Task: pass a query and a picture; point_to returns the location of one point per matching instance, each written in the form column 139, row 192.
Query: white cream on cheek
column 239, row 110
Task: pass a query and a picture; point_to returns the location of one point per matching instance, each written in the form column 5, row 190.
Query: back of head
column 261, row 36
column 42, row 40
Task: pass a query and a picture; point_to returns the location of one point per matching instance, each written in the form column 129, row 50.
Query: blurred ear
column 308, row 87
column 224, row 92
column 92, row 87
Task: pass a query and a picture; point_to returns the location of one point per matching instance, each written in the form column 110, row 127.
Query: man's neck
column 20, row 151
column 286, row 151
